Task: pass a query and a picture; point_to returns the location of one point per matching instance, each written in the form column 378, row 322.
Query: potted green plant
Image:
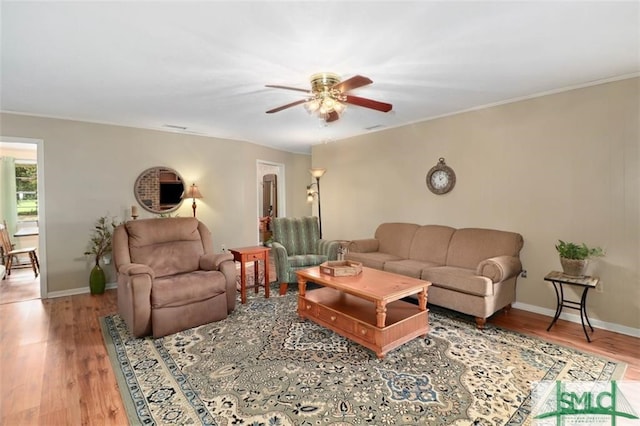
column 574, row 258
column 99, row 246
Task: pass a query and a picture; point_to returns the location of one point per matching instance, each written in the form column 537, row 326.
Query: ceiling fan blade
column 292, row 104
column 332, row 116
column 368, row 103
column 352, row 83
column 275, row 86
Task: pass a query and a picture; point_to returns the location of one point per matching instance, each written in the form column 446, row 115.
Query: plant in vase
column 99, row 246
column 574, row 258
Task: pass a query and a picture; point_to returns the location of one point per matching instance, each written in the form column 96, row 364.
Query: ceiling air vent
column 175, row 127
column 377, row 126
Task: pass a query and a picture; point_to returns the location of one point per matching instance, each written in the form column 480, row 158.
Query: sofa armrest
column 212, row 261
column 367, row 245
column 130, row 269
column 499, row 268
column 329, row 248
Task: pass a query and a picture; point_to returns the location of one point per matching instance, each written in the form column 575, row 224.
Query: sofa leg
column 283, row 288
column 507, row 309
column 480, row 322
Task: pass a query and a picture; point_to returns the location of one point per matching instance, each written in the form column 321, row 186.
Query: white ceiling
column 203, row 65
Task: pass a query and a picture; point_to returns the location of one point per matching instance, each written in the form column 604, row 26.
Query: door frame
column 278, row 170
column 42, row 223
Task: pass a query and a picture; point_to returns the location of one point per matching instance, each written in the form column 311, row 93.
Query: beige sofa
column 472, row 270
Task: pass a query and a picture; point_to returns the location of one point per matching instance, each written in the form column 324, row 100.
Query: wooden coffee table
column 366, row 308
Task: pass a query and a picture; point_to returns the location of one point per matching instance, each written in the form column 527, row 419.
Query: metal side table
column 558, row 279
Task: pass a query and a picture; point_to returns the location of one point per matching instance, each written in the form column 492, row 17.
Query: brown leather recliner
column 169, row 279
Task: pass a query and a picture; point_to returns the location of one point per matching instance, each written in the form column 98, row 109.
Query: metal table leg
column 583, row 313
column 559, row 303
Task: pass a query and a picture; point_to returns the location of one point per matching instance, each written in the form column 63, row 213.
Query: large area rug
column 265, row 366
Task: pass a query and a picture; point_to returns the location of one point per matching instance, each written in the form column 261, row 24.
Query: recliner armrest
column 367, row 245
column 136, row 269
column 499, row 268
column 212, row 261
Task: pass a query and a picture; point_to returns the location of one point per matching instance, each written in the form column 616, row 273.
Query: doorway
column 22, row 180
column 270, row 197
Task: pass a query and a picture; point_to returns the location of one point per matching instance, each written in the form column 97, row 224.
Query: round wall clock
column 441, row 178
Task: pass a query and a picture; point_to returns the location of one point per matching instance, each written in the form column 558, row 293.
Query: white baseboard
column 629, row 331
column 75, row 291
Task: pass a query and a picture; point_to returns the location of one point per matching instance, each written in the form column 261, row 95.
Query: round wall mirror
column 159, row 190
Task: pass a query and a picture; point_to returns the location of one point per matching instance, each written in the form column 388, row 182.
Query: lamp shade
column 317, row 173
column 192, row 192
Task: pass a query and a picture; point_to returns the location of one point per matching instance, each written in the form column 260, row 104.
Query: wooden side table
column 558, row 279
column 252, row 254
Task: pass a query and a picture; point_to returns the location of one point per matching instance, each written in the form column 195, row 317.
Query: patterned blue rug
column 265, row 366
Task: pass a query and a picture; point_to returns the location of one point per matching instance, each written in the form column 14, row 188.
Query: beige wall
column 90, row 170
column 563, row 166
column 560, row 166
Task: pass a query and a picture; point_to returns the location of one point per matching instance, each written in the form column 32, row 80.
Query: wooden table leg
column 243, row 283
column 381, row 313
column 422, row 300
column 256, row 276
column 267, row 281
column 302, row 291
column 422, row 304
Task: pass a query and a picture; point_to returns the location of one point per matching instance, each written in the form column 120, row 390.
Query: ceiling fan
column 328, row 96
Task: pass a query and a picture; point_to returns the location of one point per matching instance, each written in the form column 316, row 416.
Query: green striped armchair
column 297, row 245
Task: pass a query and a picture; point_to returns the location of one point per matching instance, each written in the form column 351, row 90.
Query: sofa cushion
column 470, row 246
column 372, row 260
column 185, row 289
column 396, row 238
column 168, row 245
column 430, row 244
column 410, row 268
column 459, row 279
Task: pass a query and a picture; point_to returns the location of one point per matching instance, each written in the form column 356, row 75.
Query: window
column 27, row 190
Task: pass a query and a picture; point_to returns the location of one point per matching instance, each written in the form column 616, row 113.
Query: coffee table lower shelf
column 355, row 319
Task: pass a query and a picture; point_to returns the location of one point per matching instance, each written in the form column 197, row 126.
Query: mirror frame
column 153, row 177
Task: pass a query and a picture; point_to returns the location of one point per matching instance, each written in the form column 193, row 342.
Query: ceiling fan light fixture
column 323, row 80
column 339, row 107
column 327, row 98
column 312, row 105
column 326, row 107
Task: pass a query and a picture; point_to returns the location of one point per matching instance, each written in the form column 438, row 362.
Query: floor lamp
column 311, row 192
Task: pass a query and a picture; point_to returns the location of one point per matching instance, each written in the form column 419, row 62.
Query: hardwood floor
column 19, row 286
column 54, row 369
column 603, row 342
